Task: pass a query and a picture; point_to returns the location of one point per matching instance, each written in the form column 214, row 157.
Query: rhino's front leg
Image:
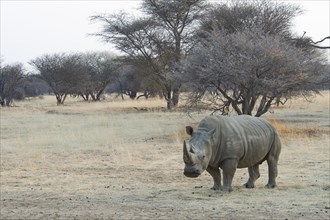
column 229, row 168
column 215, row 173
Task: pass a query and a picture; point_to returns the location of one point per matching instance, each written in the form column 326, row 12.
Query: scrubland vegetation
column 123, row 160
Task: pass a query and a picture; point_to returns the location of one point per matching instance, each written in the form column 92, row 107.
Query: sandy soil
column 85, row 162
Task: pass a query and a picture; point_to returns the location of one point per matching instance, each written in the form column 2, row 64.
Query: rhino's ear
column 189, row 130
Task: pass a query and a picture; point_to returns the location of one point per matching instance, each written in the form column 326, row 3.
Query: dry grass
column 289, row 130
column 123, row 160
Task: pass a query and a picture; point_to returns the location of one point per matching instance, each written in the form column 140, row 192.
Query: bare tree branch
column 320, row 41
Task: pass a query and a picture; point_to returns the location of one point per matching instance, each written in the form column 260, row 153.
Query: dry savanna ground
column 123, row 160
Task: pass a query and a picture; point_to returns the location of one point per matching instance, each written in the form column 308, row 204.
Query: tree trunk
column 8, row 101
column 132, row 94
column 64, row 99
column 85, row 96
column 172, row 98
column 169, row 100
column 175, row 96
column 236, row 108
column 264, row 105
column 58, row 99
column 98, row 95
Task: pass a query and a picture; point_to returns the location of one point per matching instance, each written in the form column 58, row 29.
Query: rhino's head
column 196, row 152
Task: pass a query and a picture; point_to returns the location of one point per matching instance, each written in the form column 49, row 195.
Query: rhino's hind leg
column 254, row 174
column 215, row 173
column 272, row 162
column 272, row 172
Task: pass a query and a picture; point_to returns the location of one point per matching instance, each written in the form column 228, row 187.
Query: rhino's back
column 244, row 137
column 237, row 125
column 247, row 126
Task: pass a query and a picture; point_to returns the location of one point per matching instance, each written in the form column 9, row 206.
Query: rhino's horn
column 186, row 157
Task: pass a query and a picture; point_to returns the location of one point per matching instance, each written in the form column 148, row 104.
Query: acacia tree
column 161, row 37
column 251, row 58
column 249, row 71
column 100, row 68
column 64, row 73
column 127, row 81
column 11, row 77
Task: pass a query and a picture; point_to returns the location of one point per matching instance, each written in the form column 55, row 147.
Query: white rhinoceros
column 229, row 143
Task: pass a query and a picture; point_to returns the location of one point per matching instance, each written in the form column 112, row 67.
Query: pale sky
column 32, row 28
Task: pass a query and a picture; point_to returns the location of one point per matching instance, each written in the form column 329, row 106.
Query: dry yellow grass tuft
column 287, row 129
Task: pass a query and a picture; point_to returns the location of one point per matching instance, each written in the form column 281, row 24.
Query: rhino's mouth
column 192, row 175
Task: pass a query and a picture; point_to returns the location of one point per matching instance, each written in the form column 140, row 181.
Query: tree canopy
column 86, row 75
column 161, row 37
column 248, row 59
column 249, row 71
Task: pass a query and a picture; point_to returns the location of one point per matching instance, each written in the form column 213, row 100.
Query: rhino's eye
column 201, row 157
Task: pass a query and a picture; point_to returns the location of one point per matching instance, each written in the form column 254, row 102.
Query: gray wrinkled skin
column 230, row 143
